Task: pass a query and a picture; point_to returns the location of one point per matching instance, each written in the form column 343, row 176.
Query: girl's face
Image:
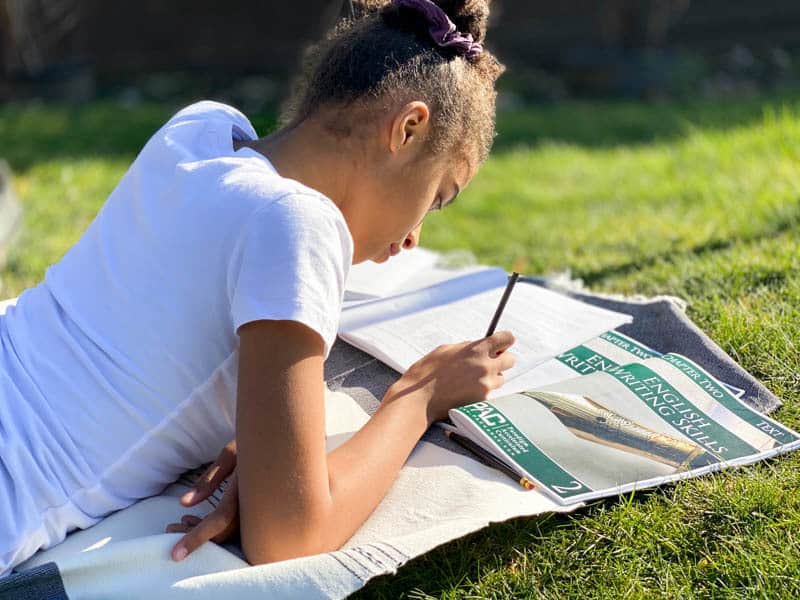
column 417, row 191
column 401, row 184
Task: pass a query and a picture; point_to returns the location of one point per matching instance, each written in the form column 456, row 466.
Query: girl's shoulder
column 195, row 136
column 198, row 139
column 211, row 110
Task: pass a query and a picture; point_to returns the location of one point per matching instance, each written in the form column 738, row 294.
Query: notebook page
column 544, row 323
column 368, row 313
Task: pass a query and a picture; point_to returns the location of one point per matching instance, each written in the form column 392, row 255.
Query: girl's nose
column 412, row 239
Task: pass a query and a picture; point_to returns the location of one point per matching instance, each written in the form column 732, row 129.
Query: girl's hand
column 221, row 522
column 217, row 526
column 213, row 477
column 457, row 374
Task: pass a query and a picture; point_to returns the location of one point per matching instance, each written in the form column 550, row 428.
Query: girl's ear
column 409, row 126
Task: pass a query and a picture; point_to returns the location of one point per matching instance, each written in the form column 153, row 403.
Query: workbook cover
column 622, row 427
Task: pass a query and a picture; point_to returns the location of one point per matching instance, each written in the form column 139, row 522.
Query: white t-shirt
column 118, row 371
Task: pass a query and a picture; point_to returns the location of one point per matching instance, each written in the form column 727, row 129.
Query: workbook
column 619, row 426
column 401, row 329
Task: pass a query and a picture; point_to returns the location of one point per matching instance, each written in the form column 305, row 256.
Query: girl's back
column 119, row 370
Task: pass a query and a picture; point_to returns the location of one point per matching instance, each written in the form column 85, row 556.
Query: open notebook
column 402, row 328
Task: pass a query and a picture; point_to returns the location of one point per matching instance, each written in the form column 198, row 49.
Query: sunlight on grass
column 60, row 198
column 595, row 210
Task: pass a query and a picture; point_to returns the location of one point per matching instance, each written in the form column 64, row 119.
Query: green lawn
column 698, row 199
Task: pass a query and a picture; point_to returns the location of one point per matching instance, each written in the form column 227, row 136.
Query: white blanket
column 438, row 496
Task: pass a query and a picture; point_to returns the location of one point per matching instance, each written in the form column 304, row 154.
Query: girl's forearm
column 295, row 499
column 362, row 470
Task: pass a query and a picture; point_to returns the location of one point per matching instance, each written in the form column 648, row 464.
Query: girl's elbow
column 262, row 546
column 258, row 553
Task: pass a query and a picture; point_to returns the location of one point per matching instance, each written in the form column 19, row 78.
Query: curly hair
column 386, row 56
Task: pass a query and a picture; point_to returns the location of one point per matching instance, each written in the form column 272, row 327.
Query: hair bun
column 469, row 16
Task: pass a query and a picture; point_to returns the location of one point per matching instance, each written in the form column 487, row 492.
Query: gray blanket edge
column 662, row 324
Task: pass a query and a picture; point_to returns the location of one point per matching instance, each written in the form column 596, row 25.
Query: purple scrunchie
column 442, row 30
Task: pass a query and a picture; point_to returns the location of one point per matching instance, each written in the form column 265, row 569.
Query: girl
column 200, row 304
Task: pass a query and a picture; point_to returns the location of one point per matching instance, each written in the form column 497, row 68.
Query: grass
column 699, row 199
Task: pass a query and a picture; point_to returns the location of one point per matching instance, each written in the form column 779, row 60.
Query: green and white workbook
column 623, row 417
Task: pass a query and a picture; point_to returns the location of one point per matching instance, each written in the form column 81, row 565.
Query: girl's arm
column 294, row 499
column 285, row 499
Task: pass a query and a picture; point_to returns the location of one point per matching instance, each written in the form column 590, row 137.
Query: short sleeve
column 207, row 110
column 290, row 263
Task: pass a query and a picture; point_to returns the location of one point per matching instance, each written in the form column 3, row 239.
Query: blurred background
column 77, row 50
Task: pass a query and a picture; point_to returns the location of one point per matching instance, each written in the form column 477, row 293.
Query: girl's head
column 414, row 106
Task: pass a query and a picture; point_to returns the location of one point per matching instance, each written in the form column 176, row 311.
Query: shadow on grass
column 448, row 566
column 498, row 546
column 784, row 223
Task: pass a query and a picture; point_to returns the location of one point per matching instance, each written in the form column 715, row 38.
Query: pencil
column 489, row 458
column 496, row 318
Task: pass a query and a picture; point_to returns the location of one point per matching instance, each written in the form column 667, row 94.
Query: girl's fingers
column 225, row 533
column 177, row 528
column 213, row 525
column 499, row 342
column 497, row 381
column 186, row 524
column 506, row 361
column 204, row 487
column 213, row 476
column 216, row 526
column 190, row 520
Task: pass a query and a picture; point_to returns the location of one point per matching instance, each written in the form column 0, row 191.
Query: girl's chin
column 382, row 258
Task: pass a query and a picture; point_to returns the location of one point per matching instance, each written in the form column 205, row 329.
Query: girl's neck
column 314, row 157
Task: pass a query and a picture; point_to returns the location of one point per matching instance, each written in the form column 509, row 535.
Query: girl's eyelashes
column 439, row 203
